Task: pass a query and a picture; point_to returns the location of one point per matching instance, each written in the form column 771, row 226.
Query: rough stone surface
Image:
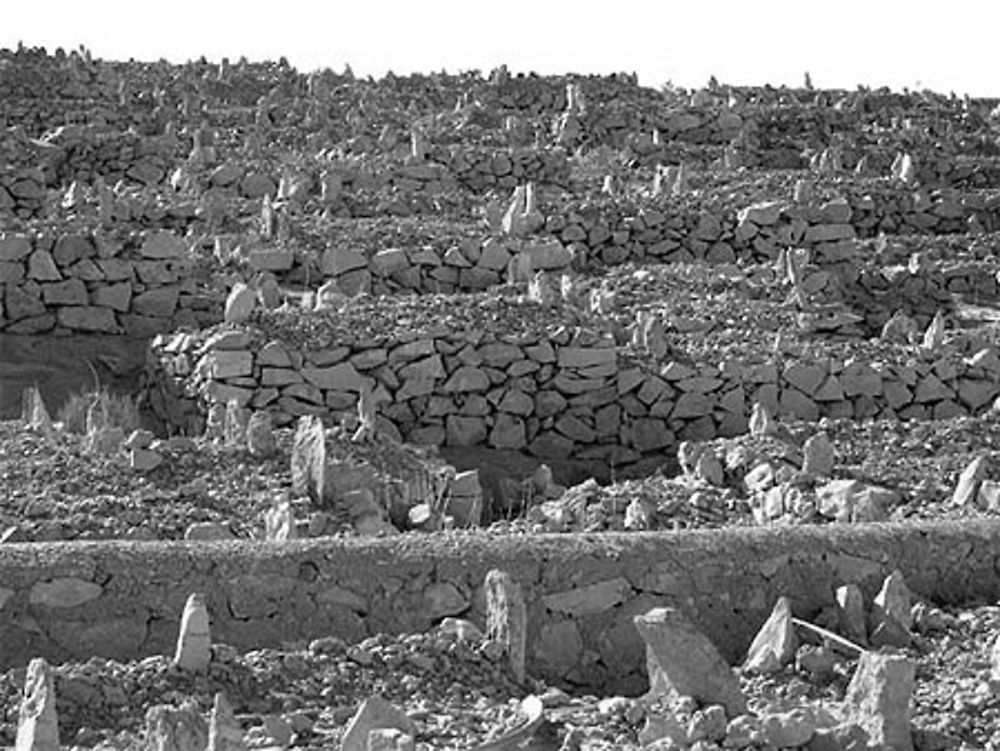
column 38, row 724
column 775, row 643
column 878, row 699
column 681, row 661
column 224, row 732
column 506, row 619
column 194, row 642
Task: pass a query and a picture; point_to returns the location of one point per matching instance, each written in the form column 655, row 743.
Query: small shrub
column 122, row 410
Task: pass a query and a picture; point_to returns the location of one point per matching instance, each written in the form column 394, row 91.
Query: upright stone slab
column 240, row 303
column 818, row 456
column 683, row 662
column 375, row 713
column 309, row 459
column 171, row 728
column 851, row 611
column 279, row 522
column 34, row 411
column 237, row 422
column 893, row 600
column 761, row 422
column 38, row 726
column 775, row 643
column 224, row 733
column 969, row 482
column 194, row 642
column 934, row 334
column 260, row 435
column 215, row 423
column 507, row 619
column 878, row 699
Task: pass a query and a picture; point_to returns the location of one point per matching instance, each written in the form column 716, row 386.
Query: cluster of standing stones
column 684, row 668
column 265, row 230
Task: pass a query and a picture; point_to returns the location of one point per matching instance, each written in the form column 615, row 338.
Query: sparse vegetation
column 120, row 410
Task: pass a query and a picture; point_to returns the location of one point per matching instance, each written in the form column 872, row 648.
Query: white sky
column 953, row 45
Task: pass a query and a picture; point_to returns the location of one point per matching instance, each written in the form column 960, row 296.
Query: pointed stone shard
column 637, row 516
column 893, row 601
column 194, row 642
column 175, row 728
column 267, row 217
column 878, row 699
column 796, row 259
column 279, row 522
column 34, row 411
column 240, row 303
column 659, row 180
column 934, row 335
column 224, row 732
column 215, row 423
column 818, row 456
column 775, row 643
column 969, row 482
column 366, row 415
column 851, row 607
column 37, row 725
column 907, row 169
column 506, row 619
column 650, row 334
column 995, row 659
column 309, row 459
column 683, row 662
column 375, row 713
column 761, row 422
column 237, row 420
column 680, row 184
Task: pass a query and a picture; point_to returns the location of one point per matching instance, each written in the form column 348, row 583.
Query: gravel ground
column 69, row 493
column 458, row 694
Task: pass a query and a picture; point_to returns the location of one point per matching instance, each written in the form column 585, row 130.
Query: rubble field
column 382, row 318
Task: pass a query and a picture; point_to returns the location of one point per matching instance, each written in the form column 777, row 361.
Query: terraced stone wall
column 124, row 600
column 557, row 395
column 136, row 284
column 45, row 92
column 445, row 169
column 615, row 230
column 596, row 234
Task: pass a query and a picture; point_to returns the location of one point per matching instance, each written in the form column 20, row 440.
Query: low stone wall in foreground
column 124, row 599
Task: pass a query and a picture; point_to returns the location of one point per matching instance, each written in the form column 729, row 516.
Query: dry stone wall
column 560, row 394
column 596, row 233
column 122, row 280
column 124, row 600
column 607, row 232
column 136, row 284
